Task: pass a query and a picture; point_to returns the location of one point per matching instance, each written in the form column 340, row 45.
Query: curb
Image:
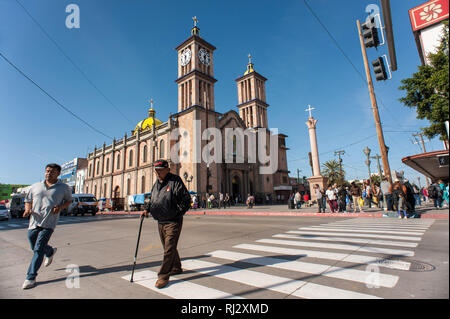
column 296, row 214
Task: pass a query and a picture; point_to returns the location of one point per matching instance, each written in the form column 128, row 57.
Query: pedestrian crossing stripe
column 15, row 225
column 358, row 259
column 361, row 276
column 177, row 288
column 375, row 227
column 349, row 240
column 291, row 287
column 359, row 248
column 355, row 230
column 314, row 233
column 354, row 237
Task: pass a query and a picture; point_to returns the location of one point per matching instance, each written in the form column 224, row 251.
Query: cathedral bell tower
column 252, row 97
column 195, row 72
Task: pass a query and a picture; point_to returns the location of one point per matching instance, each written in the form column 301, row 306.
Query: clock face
column 204, row 57
column 185, row 57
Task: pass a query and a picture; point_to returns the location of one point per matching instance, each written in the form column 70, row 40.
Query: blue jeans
column 437, row 202
column 39, row 238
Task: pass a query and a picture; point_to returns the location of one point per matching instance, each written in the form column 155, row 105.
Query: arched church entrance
column 236, row 188
column 117, row 203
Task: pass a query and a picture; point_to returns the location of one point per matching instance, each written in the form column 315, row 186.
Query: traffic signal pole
column 376, row 115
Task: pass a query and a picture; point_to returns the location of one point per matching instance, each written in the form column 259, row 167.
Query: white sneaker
column 48, row 260
column 400, row 217
column 27, row 284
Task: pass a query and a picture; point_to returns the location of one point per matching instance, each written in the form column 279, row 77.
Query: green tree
column 330, row 169
column 428, row 90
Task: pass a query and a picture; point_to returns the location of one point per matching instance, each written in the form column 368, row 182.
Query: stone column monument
column 317, row 178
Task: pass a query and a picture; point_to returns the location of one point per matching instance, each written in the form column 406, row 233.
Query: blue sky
column 126, row 48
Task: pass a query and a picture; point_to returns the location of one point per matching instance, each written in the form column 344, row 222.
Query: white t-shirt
column 330, row 194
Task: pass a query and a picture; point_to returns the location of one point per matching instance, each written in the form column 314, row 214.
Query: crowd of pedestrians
column 400, row 197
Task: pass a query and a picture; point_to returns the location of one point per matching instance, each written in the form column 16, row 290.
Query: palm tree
column 330, row 169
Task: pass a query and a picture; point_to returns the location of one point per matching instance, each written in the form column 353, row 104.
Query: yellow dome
column 249, row 70
column 249, row 65
column 147, row 123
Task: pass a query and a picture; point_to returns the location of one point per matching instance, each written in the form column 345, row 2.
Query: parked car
column 4, row 213
column 17, row 205
column 82, row 204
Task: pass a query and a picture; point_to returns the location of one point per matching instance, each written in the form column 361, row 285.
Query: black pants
column 169, row 235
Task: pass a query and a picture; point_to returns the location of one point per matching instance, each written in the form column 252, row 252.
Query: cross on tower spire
column 195, row 30
column 309, row 109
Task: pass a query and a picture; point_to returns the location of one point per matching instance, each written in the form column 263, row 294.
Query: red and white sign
column 428, row 14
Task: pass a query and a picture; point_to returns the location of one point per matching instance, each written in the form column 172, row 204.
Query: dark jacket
column 169, row 200
column 355, row 190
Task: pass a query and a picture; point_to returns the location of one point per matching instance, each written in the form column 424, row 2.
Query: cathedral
column 124, row 167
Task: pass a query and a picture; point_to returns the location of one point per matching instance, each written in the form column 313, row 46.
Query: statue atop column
column 317, row 178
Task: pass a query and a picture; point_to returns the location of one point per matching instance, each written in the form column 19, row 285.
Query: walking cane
column 137, row 246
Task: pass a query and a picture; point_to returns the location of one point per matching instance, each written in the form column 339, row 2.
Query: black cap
column 161, row 164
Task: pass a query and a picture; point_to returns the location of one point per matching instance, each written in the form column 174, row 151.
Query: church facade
column 125, row 167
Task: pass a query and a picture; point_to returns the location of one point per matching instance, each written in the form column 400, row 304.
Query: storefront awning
column 431, row 164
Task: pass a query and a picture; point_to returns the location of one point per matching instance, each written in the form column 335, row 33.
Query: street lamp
column 367, row 152
column 188, row 180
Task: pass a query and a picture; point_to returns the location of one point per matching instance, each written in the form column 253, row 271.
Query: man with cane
column 169, row 201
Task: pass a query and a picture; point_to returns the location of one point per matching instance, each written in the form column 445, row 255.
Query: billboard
column 428, row 14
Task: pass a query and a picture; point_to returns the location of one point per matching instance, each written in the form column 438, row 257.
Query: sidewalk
column 425, row 211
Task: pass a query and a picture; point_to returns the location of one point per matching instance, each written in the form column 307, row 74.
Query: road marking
column 178, row 288
column 314, row 233
column 361, row 276
column 15, row 225
column 349, row 240
column 359, row 259
column 359, row 248
column 356, row 230
column 375, row 227
column 297, row 288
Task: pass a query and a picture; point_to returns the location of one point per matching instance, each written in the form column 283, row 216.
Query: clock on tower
column 195, row 72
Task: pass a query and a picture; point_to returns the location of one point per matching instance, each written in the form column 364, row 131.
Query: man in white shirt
column 332, row 199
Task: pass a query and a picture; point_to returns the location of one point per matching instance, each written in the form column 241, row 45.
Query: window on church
column 107, row 165
column 144, row 151
column 128, row 186
column 98, row 167
column 161, row 149
column 95, row 190
column 143, row 184
column 234, row 145
column 90, row 170
column 130, row 158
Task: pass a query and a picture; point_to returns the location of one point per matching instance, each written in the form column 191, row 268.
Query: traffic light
column 379, row 69
column 370, row 34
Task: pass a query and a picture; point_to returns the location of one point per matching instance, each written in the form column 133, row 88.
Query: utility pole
column 298, row 176
column 338, row 153
column 424, row 150
column 375, row 108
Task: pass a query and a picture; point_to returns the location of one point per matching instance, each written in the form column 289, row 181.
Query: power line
column 346, row 56
column 55, row 100
column 72, row 62
column 340, row 147
column 334, row 40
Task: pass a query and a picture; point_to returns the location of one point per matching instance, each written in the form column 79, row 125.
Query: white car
column 4, row 213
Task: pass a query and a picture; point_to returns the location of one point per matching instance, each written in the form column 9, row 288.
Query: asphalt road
column 257, row 257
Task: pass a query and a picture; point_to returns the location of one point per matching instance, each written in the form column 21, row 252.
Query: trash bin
column 291, row 204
